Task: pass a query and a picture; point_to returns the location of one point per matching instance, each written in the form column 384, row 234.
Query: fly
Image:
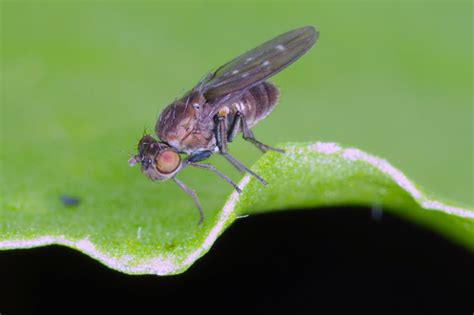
column 229, row 101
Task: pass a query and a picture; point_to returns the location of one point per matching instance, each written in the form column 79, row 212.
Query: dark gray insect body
column 229, row 101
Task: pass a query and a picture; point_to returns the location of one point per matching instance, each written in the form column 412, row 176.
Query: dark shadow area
column 304, row 262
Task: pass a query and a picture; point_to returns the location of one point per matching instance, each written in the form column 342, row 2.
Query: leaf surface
column 161, row 235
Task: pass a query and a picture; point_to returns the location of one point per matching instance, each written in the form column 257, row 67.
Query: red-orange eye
column 167, row 162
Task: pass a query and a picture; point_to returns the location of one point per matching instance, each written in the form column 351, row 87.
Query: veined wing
column 259, row 63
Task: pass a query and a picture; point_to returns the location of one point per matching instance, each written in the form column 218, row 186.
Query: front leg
column 198, row 157
column 220, row 174
column 193, row 194
column 203, row 155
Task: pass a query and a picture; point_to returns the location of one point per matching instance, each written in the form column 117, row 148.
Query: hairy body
column 188, row 124
column 228, row 101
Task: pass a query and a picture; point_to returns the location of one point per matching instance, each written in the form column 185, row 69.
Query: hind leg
column 240, row 121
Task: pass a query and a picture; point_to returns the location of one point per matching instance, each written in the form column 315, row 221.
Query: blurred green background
column 85, row 78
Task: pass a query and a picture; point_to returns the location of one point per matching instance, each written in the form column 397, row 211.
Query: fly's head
column 158, row 160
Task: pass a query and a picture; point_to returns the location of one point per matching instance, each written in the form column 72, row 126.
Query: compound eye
column 167, row 162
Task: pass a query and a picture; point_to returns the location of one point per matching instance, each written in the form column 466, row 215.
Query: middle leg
column 221, row 141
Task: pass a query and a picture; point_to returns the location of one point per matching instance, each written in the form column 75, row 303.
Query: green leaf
column 79, row 81
column 165, row 239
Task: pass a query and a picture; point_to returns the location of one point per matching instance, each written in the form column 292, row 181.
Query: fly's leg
column 222, row 175
column 237, row 163
column 221, row 131
column 248, row 136
column 235, row 126
column 200, row 156
column 221, row 141
column 192, row 193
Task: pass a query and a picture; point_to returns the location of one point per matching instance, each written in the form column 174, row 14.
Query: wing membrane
column 259, row 63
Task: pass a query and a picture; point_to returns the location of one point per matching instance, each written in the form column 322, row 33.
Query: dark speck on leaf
column 170, row 246
column 70, row 201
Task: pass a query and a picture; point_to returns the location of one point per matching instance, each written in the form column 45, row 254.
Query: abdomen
column 255, row 105
column 258, row 102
